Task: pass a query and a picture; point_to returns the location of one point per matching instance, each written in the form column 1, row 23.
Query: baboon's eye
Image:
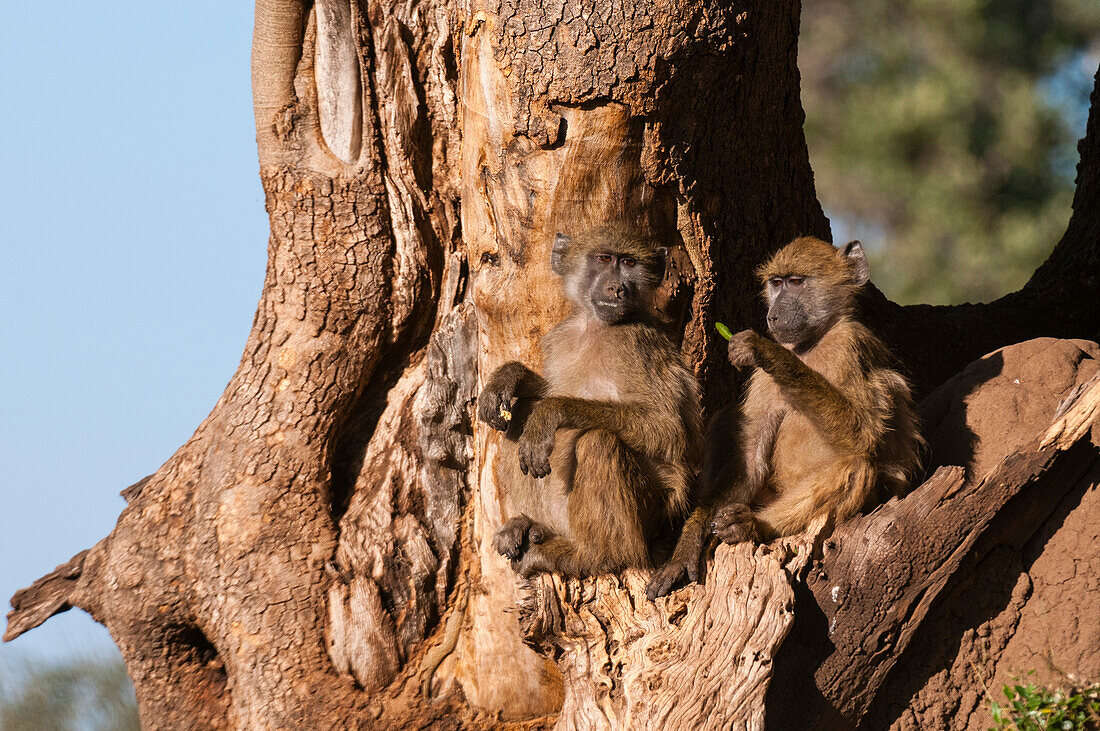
column 627, row 261
column 776, row 281
column 796, row 281
column 605, row 258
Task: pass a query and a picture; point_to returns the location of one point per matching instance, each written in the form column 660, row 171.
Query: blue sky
column 134, row 242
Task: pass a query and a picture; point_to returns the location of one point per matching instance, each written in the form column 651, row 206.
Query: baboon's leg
column 606, row 503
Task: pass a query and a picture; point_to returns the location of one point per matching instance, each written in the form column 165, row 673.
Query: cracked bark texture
column 317, row 554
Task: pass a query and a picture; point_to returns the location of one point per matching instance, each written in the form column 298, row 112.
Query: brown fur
column 616, row 414
column 828, row 427
column 618, row 239
column 807, row 255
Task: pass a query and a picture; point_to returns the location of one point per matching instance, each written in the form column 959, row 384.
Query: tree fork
column 1062, row 298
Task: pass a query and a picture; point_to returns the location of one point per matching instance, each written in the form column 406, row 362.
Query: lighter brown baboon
column 827, row 427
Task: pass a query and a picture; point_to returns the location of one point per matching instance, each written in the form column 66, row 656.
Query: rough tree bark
column 316, row 555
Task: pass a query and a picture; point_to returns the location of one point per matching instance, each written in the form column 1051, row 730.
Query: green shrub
column 1035, row 708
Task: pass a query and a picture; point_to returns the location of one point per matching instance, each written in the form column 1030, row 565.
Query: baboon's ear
column 857, row 260
column 557, row 254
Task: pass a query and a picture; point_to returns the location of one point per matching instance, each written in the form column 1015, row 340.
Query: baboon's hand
column 511, row 540
column 533, row 560
column 735, row 523
column 671, row 574
column 534, row 453
column 686, row 560
column 742, row 351
column 537, row 441
column 495, row 404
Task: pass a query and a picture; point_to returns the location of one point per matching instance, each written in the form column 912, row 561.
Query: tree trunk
column 317, row 554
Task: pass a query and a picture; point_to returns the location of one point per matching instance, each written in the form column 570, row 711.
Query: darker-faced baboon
column 602, row 449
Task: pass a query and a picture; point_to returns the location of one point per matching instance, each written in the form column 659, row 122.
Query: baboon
column 602, row 450
column 827, row 427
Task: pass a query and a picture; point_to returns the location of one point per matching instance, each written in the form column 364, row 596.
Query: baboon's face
column 809, row 286
column 613, row 284
column 611, row 276
column 796, row 315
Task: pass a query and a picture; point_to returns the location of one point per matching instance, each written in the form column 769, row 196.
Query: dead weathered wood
column 44, row 598
column 339, row 82
column 1076, row 415
column 699, row 659
column 395, row 565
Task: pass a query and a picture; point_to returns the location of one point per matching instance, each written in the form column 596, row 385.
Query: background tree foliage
column 81, row 694
column 943, row 134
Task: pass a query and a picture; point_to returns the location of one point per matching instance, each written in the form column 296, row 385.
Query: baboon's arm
column 641, row 427
column 808, row 392
column 524, row 382
column 507, row 384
